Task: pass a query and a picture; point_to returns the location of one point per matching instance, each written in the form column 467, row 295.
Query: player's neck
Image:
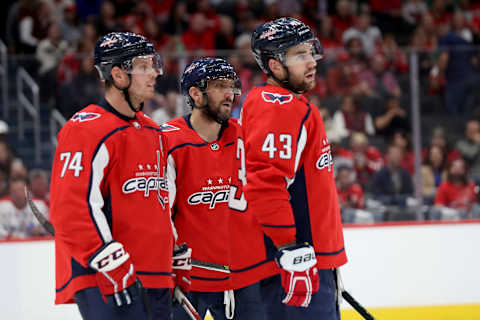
column 207, row 128
column 117, row 101
column 274, row 82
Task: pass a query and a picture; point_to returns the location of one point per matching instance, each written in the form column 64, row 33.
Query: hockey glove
column 115, row 272
column 181, row 266
column 299, row 274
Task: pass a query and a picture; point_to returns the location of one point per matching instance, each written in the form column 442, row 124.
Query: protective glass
column 224, row 86
column 146, row 65
column 304, row 52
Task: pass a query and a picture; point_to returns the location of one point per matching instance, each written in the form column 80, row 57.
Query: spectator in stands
column 434, row 172
column 33, row 22
column 370, row 35
column 456, row 62
column 351, row 119
column 18, row 170
column 171, row 108
column 440, row 139
column 367, row 160
column 50, row 52
column 177, row 22
column 69, row 25
column 4, row 129
column 81, row 91
column 332, row 134
column 38, row 184
column 6, row 158
column 379, row 79
column 395, row 58
column 469, row 147
column 392, row 184
column 413, row 10
column 225, row 39
column 393, row 119
column 200, row 36
column 456, row 197
column 327, row 37
column 343, row 78
column 402, row 140
column 107, row 21
column 16, row 217
column 350, row 196
column 343, row 17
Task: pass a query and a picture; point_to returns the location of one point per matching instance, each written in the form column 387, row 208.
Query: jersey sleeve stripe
column 171, row 178
column 278, row 226
column 95, row 198
column 329, row 253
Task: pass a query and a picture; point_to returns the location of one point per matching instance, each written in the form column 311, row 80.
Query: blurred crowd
column 363, row 86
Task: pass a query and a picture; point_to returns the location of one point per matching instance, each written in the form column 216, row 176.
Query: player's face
column 144, row 72
column 220, row 94
column 301, row 63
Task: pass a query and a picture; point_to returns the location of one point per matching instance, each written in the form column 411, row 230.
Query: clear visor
column 146, row 65
column 225, row 86
column 305, row 52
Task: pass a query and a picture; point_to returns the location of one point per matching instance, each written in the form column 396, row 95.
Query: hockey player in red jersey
column 200, row 166
column 109, row 197
column 290, row 188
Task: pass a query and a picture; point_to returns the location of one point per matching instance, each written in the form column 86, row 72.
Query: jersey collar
column 108, row 107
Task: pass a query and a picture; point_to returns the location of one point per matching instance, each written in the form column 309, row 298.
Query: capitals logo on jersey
column 216, row 191
column 168, row 127
column 85, row 116
column 326, row 159
column 147, row 181
column 276, row 97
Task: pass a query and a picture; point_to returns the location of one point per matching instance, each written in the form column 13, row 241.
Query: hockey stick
column 178, row 294
column 186, row 305
column 347, row 296
column 196, row 263
column 40, row 217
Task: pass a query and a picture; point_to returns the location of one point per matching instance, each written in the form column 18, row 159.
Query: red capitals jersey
column 199, row 176
column 107, row 185
column 456, row 196
column 289, row 172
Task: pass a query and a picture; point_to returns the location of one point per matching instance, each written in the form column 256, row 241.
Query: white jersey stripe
column 95, row 199
column 302, row 141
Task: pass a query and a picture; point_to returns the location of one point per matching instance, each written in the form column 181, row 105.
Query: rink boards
column 400, row 271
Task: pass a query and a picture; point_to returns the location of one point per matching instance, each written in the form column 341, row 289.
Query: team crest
column 85, row 116
column 275, row 97
column 108, row 42
column 168, row 127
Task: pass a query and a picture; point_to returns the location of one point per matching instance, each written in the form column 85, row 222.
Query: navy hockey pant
column 147, row 304
column 248, row 304
column 323, row 305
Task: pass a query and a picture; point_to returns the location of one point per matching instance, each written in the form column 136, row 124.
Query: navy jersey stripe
column 329, row 253
column 91, row 176
column 302, row 123
column 229, row 144
column 149, row 273
column 77, row 270
column 299, row 203
column 187, row 144
column 278, row 225
column 250, row 267
column 210, row 279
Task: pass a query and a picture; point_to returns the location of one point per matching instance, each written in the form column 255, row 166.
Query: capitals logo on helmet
column 198, row 72
column 119, row 49
column 272, row 39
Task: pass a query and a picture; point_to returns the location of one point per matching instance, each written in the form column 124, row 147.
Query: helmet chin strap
column 127, row 95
